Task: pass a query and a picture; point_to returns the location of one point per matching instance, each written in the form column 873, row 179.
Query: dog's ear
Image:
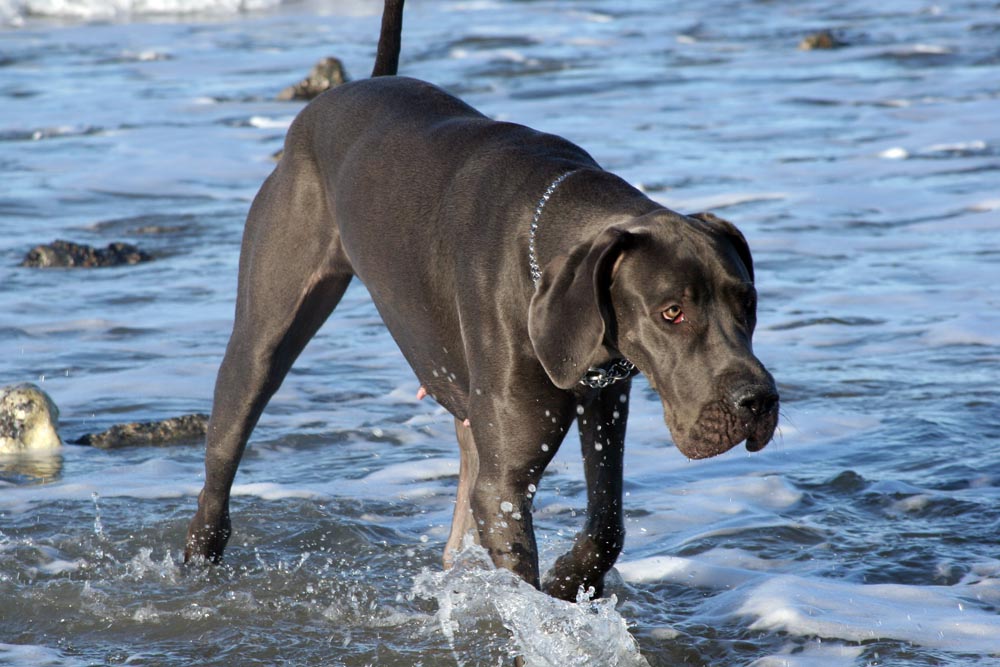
column 734, row 235
column 568, row 312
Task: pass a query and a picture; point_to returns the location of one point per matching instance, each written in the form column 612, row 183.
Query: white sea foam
column 894, row 153
column 273, row 491
column 931, row 616
column 813, row 654
column 950, row 149
column 975, row 146
column 37, row 656
column 921, row 49
column 266, row 123
column 410, row 471
column 720, row 201
column 691, row 572
column 986, row 205
column 15, row 11
column 545, row 631
column 60, row 566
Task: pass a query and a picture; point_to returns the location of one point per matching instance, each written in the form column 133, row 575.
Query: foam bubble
column 894, row 153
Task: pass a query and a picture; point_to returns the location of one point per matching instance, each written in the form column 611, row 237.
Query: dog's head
column 675, row 295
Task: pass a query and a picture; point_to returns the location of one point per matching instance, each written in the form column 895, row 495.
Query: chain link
column 599, row 377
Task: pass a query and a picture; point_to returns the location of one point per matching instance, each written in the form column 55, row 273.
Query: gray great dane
column 525, row 286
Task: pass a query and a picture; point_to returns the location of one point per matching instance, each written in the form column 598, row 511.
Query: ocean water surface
column 866, row 178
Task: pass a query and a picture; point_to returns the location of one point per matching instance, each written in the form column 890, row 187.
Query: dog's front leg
column 516, row 437
column 602, row 437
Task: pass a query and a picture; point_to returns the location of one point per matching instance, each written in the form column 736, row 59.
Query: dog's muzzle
column 748, row 414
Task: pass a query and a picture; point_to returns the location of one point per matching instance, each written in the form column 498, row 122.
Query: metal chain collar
column 596, row 377
column 599, row 377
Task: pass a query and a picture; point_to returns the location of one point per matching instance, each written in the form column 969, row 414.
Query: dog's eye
column 674, row 315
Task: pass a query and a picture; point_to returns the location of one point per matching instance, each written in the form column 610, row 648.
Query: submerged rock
column 186, row 429
column 67, row 254
column 326, row 74
column 28, row 420
column 824, row 39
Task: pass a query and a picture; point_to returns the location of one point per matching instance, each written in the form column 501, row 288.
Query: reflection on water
column 30, row 467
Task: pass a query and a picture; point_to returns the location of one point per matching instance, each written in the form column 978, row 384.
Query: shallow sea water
column 866, row 179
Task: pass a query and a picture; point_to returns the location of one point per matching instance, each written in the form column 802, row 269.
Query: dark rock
column 327, row 73
column 68, row 254
column 824, row 39
column 186, row 429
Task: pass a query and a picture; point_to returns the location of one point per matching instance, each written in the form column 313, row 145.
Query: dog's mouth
column 720, row 427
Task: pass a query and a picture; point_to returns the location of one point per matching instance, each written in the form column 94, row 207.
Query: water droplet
column 579, row 409
column 506, row 506
column 532, row 488
column 545, row 447
column 98, row 526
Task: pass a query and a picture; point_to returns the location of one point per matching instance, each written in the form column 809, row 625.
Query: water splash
column 98, row 526
column 545, row 631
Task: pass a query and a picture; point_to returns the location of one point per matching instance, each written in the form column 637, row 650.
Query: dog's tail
column 387, row 58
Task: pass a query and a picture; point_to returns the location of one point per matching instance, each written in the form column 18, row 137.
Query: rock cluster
column 824, row 39
column 326, row 74
column 186, row 429
column 66, row 254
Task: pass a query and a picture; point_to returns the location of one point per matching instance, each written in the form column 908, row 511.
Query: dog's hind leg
column 602, row 437
column 293, row 272
column 463, row 521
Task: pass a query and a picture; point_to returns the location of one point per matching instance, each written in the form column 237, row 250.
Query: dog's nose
column 757, row 399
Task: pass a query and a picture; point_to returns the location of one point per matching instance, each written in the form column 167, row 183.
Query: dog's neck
column 536, row 271
column 596, row 377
